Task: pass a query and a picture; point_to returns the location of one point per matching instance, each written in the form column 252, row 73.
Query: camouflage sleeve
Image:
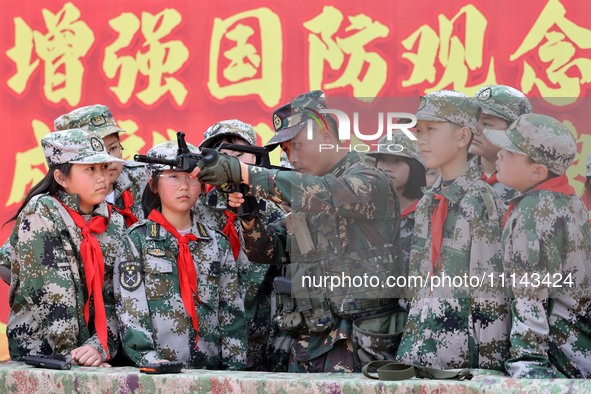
column 44, row 314
column 234, row 335
column 266, row 243
column 361, row 193
column 490, row 313
column 135, row 323
column 530, row 328
column 6, row 257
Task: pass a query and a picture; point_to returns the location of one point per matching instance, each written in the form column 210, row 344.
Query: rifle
column 185, row 160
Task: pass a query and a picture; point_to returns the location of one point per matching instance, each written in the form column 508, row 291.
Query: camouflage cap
column 75, row 146
column 399, row 145
column 290, row 119
column 97, row 118
column 449, row 106
column 503, row 102
column 167, row 150
column 543, row 138
column 227, row 128
column 588, row 173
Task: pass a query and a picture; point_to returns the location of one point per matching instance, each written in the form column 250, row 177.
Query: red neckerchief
column 437, row 221
column 186, row 268
column 409, row 210
column 557, row 184
column 127, row 198
column 94, row 269
column 230, row 231
column 491, row 180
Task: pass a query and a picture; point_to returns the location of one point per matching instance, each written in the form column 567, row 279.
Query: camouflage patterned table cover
column 21, row 378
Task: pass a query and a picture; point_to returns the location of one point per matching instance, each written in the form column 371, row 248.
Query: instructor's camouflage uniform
column 352, row 216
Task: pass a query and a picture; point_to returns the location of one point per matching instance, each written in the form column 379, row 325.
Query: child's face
column 89, row 182
column 396, row 168
column 515, row 170
column 438, row 142
column 114, row 149
column 178, row 191
column 481, row 146
column 431, row 176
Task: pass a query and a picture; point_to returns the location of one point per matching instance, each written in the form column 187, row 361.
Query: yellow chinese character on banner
column 134, row 143
column 576, row 172
column 30, row 166
column 156, row 60
column 365, row 71
column 67, row 40
column 555, row 49
column 457, row 58
column 248, row 68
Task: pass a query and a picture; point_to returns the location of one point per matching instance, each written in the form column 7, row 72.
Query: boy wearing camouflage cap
column 64, row 231
column 401, row 160
column 268, row 348
column 547, row 253
column 500, row 105
column 457, row 233
column 178, row 293
column 127, row 179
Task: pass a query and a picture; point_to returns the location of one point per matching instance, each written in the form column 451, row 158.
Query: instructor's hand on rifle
column 222, row 169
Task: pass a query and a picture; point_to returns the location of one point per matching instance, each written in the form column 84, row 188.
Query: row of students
column 522, row 225
column 508, row 213
column 165, row 311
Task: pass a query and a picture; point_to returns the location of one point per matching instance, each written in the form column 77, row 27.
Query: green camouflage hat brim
column 290, row 119
column 400, row 145
column 284, row 136
column 96, row 118
column 500, row 139
column 97, row 159
column 227, row 128
column 166, row 150
column 503, row 102
column 542, row 138
column 75, row 146
column 449, row 106
column 385, row 152
column 107, row 131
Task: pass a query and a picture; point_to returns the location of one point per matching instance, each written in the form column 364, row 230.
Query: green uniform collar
column 72, row 201
column 458, row 189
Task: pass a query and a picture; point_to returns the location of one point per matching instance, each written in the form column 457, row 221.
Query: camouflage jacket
column 48, row 287
column 352, row 216
column 265, row 346
column 450, row 327
column 547, row 236
column 407, row 225
column 135, row 178
column 153, row 321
